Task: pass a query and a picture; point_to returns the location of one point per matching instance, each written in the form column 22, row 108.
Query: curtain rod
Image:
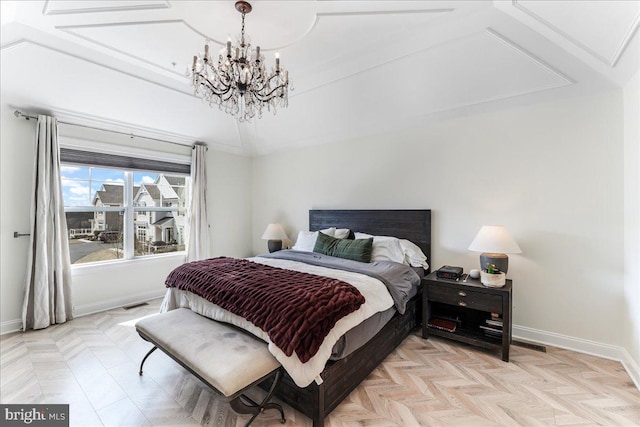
column 19, row 114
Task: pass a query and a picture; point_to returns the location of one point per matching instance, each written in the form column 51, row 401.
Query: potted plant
column 492, row 277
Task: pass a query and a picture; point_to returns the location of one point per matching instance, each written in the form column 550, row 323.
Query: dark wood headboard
column 411, row 224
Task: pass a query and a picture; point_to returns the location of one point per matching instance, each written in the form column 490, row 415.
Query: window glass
column 90, row 240
column 96, row 213
column 75, row 185
column 159, row 213
column 89, row 186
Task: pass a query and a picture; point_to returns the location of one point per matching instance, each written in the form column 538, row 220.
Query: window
column 117, row 213
column 141, row 233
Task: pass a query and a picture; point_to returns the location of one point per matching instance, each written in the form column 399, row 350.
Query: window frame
column 128, row 210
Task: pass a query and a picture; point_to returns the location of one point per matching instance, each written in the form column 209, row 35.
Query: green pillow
column 357, row 250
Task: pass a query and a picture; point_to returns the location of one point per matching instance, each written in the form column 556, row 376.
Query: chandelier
column 238, row 81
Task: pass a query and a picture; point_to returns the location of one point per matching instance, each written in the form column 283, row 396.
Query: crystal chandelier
column 238, row 82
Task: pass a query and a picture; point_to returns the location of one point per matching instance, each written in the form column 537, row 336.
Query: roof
column 153, row 191
column 162, row 191
column 163, row 221
column 179, row 191
column 175, row 180
column 110, row 194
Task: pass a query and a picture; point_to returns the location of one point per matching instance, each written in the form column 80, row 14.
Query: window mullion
column 128, row 216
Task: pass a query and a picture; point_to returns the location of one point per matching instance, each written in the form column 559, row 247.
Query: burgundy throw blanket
column 297, row 310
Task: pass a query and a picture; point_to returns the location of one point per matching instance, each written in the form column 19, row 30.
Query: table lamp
column 494, row 242
column 275, row 235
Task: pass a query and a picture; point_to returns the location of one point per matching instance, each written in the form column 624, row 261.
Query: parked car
column 158, row 246
column 109, row 236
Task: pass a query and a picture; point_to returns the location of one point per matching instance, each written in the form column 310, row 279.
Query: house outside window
column 116, row 213
column 157, row 211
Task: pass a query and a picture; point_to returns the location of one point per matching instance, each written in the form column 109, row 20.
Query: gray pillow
column 357, row 250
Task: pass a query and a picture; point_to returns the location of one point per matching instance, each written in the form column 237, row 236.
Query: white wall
column 552, row 173
column 16, row 164
column 99, row 287
column 632, row 215
column 230, row 203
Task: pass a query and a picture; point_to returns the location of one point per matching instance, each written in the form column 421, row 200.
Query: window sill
column 105, row 266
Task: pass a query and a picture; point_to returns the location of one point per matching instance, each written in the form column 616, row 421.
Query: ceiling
column 357, row 67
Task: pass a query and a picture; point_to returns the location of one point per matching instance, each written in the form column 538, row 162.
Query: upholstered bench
column 225, row 358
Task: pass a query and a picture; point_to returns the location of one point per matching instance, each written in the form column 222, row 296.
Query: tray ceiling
column 358, row 68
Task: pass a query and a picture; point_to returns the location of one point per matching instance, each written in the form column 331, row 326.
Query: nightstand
column 469, row 305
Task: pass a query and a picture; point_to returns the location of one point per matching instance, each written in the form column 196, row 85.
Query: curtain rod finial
column 19, row 114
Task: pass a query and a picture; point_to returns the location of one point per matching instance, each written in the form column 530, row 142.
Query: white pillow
column 413, row 255
column 385, row 248
column 341, row 233
column 329, row 231
column 307, row 239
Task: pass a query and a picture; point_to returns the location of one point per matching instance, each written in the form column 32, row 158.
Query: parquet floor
column 92, row 364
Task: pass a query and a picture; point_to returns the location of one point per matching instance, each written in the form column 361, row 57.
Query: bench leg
column 145, row 358
column 254, row 408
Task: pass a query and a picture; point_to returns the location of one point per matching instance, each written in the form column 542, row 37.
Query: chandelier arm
column 265, row 84
column 225, row 78
column 275, row 76
column 268, row 96
column 206, row 83
column 228, row 97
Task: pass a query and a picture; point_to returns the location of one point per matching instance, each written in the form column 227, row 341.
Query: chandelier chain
column 242, row 37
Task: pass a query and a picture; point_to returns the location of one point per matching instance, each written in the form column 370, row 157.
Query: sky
column 79, row 184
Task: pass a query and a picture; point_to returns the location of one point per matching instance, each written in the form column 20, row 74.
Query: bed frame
column 343, row 376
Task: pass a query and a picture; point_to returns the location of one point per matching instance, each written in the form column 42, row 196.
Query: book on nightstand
column 494, row 323
column 493, row 332
column 443, row 324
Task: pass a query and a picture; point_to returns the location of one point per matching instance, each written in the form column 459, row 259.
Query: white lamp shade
column 274, row 232
column 494, row 239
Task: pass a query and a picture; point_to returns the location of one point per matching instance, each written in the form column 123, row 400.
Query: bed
column 340, row 377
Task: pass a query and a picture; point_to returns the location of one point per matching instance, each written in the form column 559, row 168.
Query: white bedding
column 377, row 299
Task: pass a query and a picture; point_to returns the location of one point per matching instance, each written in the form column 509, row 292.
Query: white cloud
column 70, row 182
column 115, row 181
column 74, row 186
column 80, row 191
column 146, row 179
column 78, row 199
column 69, row 169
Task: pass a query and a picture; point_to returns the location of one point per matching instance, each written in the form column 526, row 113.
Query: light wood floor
column 92, row 364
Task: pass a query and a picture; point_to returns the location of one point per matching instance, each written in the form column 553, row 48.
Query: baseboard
column 86, row 309
column 10, row 326
column 632, row 369
column 606, row 351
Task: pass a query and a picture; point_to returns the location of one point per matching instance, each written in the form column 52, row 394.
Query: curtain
column 198, row 236
column 47, row 298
